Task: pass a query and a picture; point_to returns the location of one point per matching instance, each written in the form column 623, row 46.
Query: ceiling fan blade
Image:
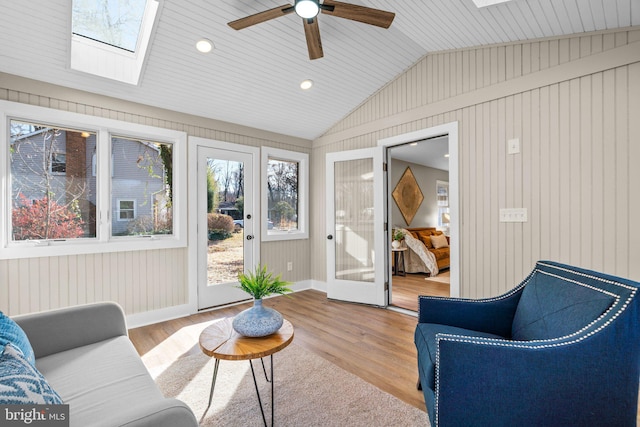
column 354, row 12
column 267, row 15
column 312, row 33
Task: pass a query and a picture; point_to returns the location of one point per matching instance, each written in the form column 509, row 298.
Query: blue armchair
column 561, row 349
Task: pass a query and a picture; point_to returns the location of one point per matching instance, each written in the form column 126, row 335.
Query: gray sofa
column 86, row 356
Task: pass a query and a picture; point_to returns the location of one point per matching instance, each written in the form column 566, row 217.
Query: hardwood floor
column 406, row 289
column 372, row 343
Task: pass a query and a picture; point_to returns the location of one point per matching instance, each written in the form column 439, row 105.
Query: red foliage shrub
column 44, row 219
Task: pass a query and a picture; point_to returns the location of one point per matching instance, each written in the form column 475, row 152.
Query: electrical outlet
column 513, row 215
column 289, row 266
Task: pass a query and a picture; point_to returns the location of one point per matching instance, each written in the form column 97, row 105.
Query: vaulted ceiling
column 252, row 76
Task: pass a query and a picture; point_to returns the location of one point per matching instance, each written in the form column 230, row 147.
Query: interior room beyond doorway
column 419, row 204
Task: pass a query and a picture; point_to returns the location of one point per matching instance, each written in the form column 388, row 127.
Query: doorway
column 412, row 275
column 226, row 222
column 436, row 178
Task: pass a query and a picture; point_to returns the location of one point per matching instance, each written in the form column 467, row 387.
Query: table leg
column 265, row 370
column 255, row 383
column 273, row 408
column 213, row 385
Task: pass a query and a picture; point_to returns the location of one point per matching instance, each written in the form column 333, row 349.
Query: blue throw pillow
column 21, row 383
column 10, row 332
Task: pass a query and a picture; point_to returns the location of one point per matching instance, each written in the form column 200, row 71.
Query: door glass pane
column 225, row 223
column 354, row 216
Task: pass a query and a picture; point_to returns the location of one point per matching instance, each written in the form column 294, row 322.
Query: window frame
column 302, row 159
column 104, row 128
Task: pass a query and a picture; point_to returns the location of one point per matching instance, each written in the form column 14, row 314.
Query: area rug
column 309, row 391
column 444, row 277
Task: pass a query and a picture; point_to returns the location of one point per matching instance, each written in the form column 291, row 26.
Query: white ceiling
column 428, row 152
column 252, row 76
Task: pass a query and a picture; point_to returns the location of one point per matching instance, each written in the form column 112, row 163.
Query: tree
column 212, row 189
column 49, row 165
column 240, row 205
column 44, row 219
column 283, row 211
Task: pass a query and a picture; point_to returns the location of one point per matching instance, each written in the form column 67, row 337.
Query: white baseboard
column 149, row 317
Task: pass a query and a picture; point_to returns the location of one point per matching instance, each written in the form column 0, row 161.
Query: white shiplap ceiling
column 252, row 76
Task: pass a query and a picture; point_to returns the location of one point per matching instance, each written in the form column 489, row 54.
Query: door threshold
column 402, row 310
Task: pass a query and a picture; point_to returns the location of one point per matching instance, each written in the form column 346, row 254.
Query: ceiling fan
column 308, row 10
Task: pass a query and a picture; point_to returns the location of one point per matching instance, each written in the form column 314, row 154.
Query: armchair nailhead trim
column 534, row 344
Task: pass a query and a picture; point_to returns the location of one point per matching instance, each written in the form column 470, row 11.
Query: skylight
column 485, row 3
column 113, row 22
column 110, row 37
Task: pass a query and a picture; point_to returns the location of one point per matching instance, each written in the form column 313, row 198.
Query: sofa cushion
column 20, row 381
column 100, row 381
column 425, row 237
column 552, row 307
column 439, row 241
column 10, row 332
column 426, row 341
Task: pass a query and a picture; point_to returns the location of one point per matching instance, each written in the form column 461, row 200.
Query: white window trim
column 118, row 209
column 303, row 193
column 103, row 128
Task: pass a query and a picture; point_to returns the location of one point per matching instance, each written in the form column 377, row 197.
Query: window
column 109, row 38
column 82, row 184
column 126, row 210
column 284, row 194
column 112, row 22
column 442, row 194
column 50, row 200
column 142, row 171
column 58, row 163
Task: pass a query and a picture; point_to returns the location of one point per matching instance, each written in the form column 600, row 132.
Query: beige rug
column 444, row 277
column 309, row 391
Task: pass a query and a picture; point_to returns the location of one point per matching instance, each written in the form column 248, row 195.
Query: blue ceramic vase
column 257, row 321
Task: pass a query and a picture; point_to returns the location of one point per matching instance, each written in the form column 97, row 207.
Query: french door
column 225, row 185
column 356, row 257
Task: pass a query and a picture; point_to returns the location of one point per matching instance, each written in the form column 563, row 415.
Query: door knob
column 249, row 237
column 329, row 237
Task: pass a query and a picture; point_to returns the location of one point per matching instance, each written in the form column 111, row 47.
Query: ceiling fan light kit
column 309, row 9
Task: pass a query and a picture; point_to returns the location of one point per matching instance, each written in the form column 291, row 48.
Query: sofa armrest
column 509, row 383
column 62, row 329
column 165, row 413
column 492, row 315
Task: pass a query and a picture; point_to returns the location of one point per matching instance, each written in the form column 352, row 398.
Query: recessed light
column 306, row 84
column 204, row 45
column 413, row 144
column 447, row 155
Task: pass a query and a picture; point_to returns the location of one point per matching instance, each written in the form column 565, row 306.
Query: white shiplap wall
column 573, row 102
column 141, row 281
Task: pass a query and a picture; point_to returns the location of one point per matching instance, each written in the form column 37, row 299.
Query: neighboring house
column 63, row 164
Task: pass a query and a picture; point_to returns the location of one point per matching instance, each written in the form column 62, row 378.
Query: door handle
column 329, row 237
column 249, row 237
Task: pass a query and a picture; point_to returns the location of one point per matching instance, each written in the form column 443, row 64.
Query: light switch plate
column 513, row 215
column 513, row 146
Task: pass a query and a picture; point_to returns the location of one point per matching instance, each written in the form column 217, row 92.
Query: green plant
column 261, row 283
column 398, row 234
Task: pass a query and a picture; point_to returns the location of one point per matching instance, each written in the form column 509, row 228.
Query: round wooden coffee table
column 221, row 341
